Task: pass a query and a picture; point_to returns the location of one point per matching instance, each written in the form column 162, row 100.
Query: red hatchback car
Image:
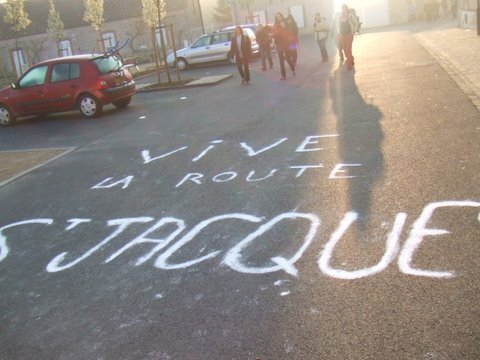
column 83, row 82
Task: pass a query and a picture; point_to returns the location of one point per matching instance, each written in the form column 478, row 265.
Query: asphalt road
column 334, row 215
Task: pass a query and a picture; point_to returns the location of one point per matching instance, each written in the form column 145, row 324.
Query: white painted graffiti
column 308, row 145
column 234, row 257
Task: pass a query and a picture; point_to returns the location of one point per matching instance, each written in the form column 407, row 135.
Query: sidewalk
column 203, row 81
column 457, row 51
column 145, row 73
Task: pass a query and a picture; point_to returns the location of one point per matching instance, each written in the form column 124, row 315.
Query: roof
column 72, row 58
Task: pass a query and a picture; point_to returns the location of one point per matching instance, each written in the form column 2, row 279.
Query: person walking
column 264, row 41
column 292, row 28
column 282, row 44
column 336, row 37
column 347, row 26
column 241, row 48
column 321, row 28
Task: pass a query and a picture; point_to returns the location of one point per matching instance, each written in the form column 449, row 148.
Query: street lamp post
column 201, row 16
column 478, row 17
column 234, row 8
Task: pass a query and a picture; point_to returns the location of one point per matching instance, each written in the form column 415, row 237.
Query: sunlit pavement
column 458, row 51
column 330, row 216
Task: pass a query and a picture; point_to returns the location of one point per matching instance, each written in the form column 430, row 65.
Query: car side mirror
column 14, row 85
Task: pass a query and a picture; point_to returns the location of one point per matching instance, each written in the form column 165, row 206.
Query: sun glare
column 371, row 12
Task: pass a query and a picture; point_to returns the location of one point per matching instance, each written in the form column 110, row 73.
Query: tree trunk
column 163, row 43
column 101, row 45
column 154, row 42
column 18, row 60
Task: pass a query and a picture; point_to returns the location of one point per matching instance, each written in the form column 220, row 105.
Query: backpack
column 356, row 21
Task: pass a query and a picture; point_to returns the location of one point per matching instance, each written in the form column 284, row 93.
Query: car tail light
column 127, row 75
column 102, row 84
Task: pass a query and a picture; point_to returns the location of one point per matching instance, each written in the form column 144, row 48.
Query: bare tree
column 35, row 48
column 138, row 31
column 94, row 16
column 17, row 18
column 153, row 14
column 246, row 4
column 55, row 26
column 223, row 12
column 7, row 77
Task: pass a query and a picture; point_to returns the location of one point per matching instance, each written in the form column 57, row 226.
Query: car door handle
column 73, row 86
column 208, row 47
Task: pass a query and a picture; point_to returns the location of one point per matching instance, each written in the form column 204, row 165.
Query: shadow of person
column 360, row 141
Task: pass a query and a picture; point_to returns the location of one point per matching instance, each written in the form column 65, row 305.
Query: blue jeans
column 282, row 57
column 323, row 49
column 243, row 69
column 265, row 55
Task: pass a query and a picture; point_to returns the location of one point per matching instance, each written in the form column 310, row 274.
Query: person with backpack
column 321, row 28
column 264, row 43
column 356, row 18
column 347, row 25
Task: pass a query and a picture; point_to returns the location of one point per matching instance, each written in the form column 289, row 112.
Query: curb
column 63, row 151
column 192, row 84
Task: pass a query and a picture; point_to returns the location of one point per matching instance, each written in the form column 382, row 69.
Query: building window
column 109, row 40
column 65, row 47
column 20, row 61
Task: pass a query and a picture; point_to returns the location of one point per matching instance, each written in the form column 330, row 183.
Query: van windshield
column 108, row 64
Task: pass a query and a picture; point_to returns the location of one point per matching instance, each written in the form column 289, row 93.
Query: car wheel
column 230, row 58
column 89, row 106
column 6, row 116
column 181, row 64
column 122, row 103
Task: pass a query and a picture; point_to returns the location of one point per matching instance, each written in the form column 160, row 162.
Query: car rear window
column 108, row 64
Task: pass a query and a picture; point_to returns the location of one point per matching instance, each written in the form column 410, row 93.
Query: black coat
column 246, row 49
column 263, row 39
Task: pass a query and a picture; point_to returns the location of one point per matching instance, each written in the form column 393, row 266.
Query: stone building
column 467, row 14
column 372, row 13
column 123, row 20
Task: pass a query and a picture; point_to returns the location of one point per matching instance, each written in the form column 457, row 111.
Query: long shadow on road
column 360, row 143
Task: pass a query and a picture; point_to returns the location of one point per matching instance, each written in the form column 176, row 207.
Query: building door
column 299, row 15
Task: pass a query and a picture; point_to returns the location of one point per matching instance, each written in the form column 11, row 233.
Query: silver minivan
column 209, row 48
